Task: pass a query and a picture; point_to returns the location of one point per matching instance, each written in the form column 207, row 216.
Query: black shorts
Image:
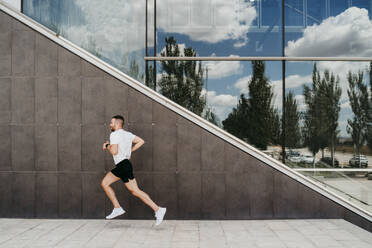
column 124, row 170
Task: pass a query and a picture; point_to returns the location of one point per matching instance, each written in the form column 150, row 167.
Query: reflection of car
column 358, row 161
column 307, row 159
column 328, row 160
column 294, row 158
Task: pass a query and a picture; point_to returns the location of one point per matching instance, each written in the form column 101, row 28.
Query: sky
column 230, row 28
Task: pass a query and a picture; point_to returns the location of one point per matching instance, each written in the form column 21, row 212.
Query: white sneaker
column 115, row 213
column 160, row 215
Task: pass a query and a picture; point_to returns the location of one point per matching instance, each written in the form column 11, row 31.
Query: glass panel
column 112, row 30
column 328, row 114
column 327, row 127
column 16, row 4
column 222, row 28
column 294, row 13
column 353, row 186
column 331, row 28
column 242, row 97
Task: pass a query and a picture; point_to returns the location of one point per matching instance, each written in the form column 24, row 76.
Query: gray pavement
column 188, row 234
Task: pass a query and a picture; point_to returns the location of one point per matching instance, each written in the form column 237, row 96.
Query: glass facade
column 323, row 119
column 114, row 31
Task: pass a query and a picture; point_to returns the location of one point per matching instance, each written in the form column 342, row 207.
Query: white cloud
column 346, row 105
column 301, row 106
column 13, row 3
column 294, row 81
column 347, row 34
column 221, row 69
column 222, row 104
column 209, row 21
column 278, row 93
column 242, row 84
column 117, row 28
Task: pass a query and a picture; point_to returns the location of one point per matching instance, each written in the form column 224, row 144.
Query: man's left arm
column 138, row 142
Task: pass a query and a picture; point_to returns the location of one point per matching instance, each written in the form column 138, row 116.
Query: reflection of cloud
column 341, row 69
column 294, row 81
column 117, row 28
column 221, row 69
column 209, row 21
column 242, row 84
column 347, row 34
column 346, row 105
column 278, row 93
column 300, row 99
column 222, row 104
column 13, row 3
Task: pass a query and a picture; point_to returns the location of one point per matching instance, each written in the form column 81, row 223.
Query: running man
column 120, row 146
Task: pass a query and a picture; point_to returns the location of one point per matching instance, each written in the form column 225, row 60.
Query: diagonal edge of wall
column 354, row 210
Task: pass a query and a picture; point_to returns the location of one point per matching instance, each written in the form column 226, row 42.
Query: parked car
column 294, row 158
column 358, row 161
column 291, row 153
column 328, row 160
column 307, row 159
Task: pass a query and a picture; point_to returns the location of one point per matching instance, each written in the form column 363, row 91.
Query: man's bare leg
column 106, row 182
column 133, row 188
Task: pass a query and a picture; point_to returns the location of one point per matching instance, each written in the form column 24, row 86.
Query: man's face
column 112, row 124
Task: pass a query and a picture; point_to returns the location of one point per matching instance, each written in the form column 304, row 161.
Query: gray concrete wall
column 54, row 115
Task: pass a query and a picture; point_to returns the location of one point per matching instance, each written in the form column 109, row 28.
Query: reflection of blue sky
column 224, row 28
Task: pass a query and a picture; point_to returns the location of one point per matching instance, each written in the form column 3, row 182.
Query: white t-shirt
column 124, row 141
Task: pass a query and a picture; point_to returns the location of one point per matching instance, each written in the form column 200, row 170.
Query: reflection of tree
column 321, row 116
column 211, row 117
column 369, row 128
column 150, row 82
column 91, row 46
column 182, row 81
column 291, row 122
column 134, row 71
column 330, row 94
column 254, row 118
column 237, row 121
column 359, row 102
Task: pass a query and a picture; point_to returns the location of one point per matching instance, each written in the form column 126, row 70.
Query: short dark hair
column 119, row 117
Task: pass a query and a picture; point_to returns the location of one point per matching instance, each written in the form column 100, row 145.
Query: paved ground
column 188, row 234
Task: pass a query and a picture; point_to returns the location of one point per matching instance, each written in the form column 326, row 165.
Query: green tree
column 313, row 125
column 254, row 119
column 276, row 133
column 150, row 82
column 359, row 101
column 237, row 121
column 369, row 122
column 260, row 109
column 182, row 81
column 134, row 71
column 321, row 116
column 210, row 116
column 291, row 122
column 92, row 47
column 329, row 97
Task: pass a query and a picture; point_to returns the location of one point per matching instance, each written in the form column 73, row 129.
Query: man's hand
column 104, row 145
